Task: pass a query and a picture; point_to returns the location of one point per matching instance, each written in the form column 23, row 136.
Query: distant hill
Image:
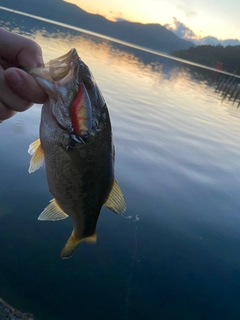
column 184, row 32
column 151, row 36
column 215, row 41
column 222, row 58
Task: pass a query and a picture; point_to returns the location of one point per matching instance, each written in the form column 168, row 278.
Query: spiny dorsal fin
column 36, row 150
column 73, row 242
column 52, row 212
column 116, row 201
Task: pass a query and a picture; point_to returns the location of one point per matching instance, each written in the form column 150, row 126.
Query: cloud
column 181, row 30
column 184, row 32
column 186, row 8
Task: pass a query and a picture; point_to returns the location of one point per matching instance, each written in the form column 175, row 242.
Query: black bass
column 76, row 145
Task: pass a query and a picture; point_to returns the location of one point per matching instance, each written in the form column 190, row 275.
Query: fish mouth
column 66, row 70
column 67, row 80
column 74, row 98
column 59, row 68
column 59, row 72
column 56, row 69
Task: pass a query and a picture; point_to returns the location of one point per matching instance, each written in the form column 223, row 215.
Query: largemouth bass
column 76, row 145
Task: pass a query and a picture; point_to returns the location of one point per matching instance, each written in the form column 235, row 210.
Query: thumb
column 24, row 85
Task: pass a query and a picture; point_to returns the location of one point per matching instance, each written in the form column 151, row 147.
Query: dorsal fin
column 116, row 201
column 36, row 150
column 52, row 212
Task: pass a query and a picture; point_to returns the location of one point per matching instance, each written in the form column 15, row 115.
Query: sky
column 200, row 18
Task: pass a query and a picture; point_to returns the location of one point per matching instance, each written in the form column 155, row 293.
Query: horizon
column 189, row 20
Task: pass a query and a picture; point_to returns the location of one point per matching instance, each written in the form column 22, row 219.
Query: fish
column 75, row 143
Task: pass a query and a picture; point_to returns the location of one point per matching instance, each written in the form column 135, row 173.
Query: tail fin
column 73, row 242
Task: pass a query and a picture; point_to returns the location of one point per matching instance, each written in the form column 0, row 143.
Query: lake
column 178, row 164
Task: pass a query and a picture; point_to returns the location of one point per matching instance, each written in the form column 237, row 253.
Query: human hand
column 18, row 90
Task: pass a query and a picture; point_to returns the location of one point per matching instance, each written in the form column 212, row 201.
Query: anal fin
column 52, row 212
column 116, row 201
column 35, row 149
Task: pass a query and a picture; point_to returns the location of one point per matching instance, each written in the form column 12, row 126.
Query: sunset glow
column 203, row 17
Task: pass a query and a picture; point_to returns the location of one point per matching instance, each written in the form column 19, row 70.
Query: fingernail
column 39, row 61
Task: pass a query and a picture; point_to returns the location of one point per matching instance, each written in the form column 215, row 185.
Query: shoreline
column 10, row 313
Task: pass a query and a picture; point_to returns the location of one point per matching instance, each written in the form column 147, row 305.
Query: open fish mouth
column 57, row 69
column 65, row 80
column 60, row 67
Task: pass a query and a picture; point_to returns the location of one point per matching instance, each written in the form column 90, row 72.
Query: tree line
column 223, row 58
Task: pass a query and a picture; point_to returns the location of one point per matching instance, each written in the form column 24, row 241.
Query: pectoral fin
column 36, row 150
column 116, row 201
column 33, row 146
column 52, row 212
column 73, row 242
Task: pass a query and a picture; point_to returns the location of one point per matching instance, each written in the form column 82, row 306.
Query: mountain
column 214, row 42
column 151, row 36
column 184, row 32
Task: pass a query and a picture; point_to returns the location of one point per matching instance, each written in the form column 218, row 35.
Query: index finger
column 20, row 50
